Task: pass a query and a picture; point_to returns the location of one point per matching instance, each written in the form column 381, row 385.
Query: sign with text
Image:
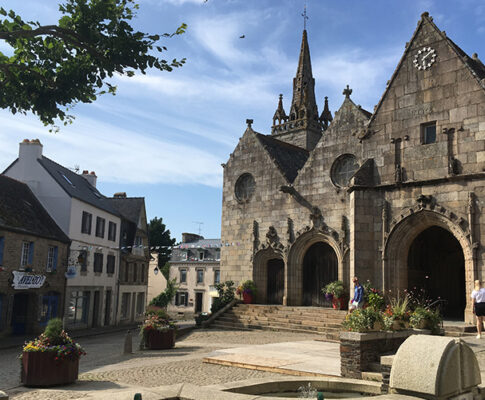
column 22, row 280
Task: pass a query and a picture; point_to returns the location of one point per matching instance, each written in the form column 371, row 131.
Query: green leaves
column 56, row 66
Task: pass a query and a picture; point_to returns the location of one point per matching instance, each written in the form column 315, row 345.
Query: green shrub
column 226, row 292
column 362, row 320
column 166, row 297
column 426, row 318
column 53, row 331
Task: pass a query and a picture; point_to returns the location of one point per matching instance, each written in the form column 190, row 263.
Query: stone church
column 394, row 196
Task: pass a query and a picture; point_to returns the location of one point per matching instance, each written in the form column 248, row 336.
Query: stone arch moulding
column 294, row 264
column 406, row 227
column 260, row 270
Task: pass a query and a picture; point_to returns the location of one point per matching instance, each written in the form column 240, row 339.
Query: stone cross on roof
column 305, row 17
column 347, row 92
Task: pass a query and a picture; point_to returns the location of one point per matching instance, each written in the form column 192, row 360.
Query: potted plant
column 248, row 290
column 423, row 318
column 51, row 359
column 157, row 331
column 337, row 290
column 399, row 309
column 363, row 320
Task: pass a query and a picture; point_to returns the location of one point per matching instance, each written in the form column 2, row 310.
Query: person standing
column 478, row 296
column 358, row 300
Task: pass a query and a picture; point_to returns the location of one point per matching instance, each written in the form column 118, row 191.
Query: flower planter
column 157, row 340
column 247, row 298
column 328, row 296
column 338, row 304
column 41, row 369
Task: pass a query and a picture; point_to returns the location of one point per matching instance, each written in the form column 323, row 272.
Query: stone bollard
column 128, row 348
column 4, row 396
column 137, row 396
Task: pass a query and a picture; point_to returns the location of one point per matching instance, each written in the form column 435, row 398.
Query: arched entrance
column 320, row 266
column 436, row 264
column 276, row 281
column 431, row 243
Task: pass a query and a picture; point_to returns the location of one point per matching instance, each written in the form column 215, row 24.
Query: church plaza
column 104, row 371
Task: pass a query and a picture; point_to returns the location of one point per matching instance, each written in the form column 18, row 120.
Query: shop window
column 78, row 310
column 125, row 305
column 49, row 307
column 51, row 259
column 140, row 304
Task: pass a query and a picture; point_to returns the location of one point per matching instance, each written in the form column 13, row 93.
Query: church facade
column 394, row 196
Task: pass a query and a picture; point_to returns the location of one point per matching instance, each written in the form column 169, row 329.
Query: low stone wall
column 359, row 350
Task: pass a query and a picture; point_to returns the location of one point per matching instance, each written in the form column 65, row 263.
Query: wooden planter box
column 157, row 340
column 41, row 369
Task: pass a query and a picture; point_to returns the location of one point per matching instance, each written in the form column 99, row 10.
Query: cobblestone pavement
column 106, row 368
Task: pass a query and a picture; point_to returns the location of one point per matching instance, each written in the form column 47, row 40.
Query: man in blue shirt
column 358, row 300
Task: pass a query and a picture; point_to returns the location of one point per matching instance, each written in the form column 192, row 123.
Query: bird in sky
column 242, row 36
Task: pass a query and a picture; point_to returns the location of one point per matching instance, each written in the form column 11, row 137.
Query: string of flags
column 152, row 248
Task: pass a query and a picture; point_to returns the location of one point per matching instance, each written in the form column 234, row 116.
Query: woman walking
column 478, row 296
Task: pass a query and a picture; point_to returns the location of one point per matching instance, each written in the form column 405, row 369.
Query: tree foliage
column 158, row 235
column 165, row 298
column 53, row 67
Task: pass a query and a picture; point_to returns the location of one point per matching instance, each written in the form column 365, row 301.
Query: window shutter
column 2, row 241
column 31, row 253
column 177, row 299
column 186, row 299
column 54, row 263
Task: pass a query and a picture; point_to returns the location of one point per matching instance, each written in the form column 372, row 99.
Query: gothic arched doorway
column 276, row 281
column 437, row 264
column 320, row 266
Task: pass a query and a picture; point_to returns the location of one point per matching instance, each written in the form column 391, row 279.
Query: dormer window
column 428, row 133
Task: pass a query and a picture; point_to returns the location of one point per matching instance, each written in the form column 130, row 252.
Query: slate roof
column 77, row 186
column 128, row 207
column 202, row 243
column 289, row 158
column 20, row 211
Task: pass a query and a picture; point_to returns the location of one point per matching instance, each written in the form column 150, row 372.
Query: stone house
column 135, row 258
column 33, row 260
column 394, row 196
column 89, row 220
column 194, row 263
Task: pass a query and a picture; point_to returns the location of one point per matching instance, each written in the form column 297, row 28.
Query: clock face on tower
column 424, row 58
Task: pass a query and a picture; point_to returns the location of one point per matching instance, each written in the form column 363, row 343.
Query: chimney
column 120, row 195
column 190, row 237
column 30, row 150
column 90, row 177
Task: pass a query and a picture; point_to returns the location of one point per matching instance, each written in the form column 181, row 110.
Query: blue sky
column 164, row 135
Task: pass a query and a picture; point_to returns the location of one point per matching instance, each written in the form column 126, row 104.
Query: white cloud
column 116, row 154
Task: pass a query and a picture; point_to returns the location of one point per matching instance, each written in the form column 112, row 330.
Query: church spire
column 326, row 116
column 304, row 104
column 280, row 115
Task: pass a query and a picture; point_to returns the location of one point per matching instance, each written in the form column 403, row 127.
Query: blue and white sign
column 21, row 280
column 71, row 272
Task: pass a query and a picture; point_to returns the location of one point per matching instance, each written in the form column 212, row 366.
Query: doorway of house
column 20, row 313
column 436, row 264
column 198, row 301
column 107, row 308
column 320, row 266
column 276, row 281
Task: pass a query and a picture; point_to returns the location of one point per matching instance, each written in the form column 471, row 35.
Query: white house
column 90, row 221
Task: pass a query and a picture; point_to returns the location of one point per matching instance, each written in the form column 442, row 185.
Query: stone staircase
column 325, row 322
column 458, row 329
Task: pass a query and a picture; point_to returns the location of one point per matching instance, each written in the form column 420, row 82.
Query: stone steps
column 326, row 323
column 459, row 330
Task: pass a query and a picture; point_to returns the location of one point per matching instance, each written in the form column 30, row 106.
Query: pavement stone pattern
column 105, row 367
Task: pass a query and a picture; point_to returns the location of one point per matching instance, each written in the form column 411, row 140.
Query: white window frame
column 24, row 257
column 50, row 259
column 197, row 276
